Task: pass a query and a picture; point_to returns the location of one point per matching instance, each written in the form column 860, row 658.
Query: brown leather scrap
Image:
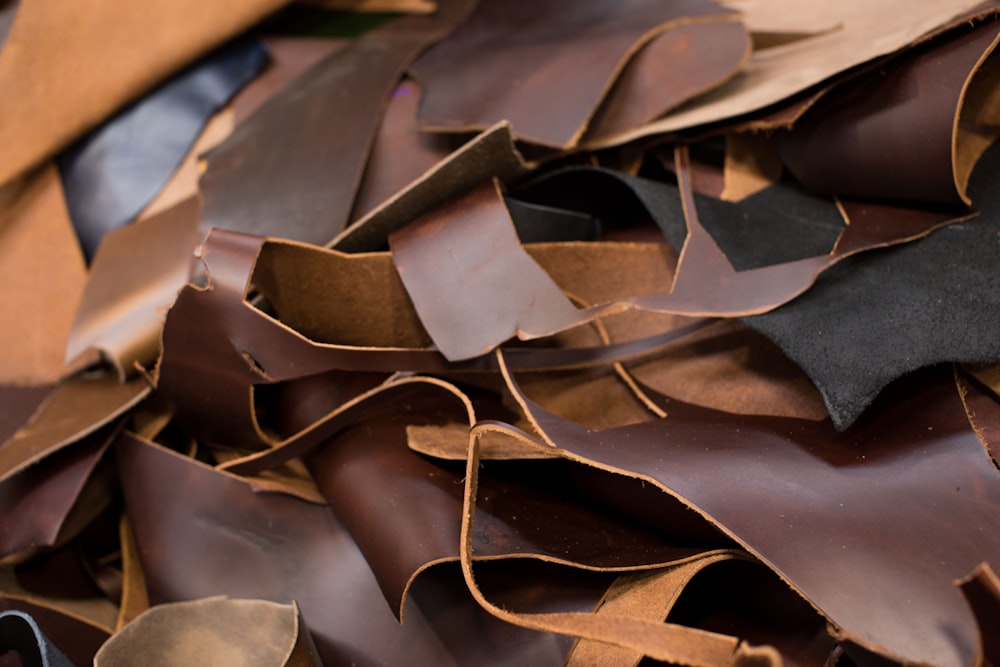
column 896, row 133
column 262, row 180
column 858, row 485
column 506, row 59
column 41, row 274
column 982, row 590
column 216, row 630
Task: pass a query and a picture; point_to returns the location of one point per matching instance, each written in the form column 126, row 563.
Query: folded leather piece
column 37, row 501
column 263, row 181
column 72, row 69
column 75, row 409
column 982, row 590
column 20, row 633
column 216, row 630
column 893, row 134
column 41, row 273
column 288, row 550
column 838, row 37
column 857, row 485
column 942, row 308
column 505, row 59
column 112, row 173
column 133, row 279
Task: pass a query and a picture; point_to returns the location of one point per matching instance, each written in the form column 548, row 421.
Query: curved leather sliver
column 20, row 633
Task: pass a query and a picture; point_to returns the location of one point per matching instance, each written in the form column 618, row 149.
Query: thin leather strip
column 20, row 633
column 216, row 630
column 113, row 172
column 674, row 67
column 75, row 409
column 893, row 134
column 76, row 639
column 409, row 6
column 844, row 35
column 134, row 278
column 192, row 523
column 857, row 485
column 134, row 598
column 35, row 503
column 123, row 50
column 505, row 59
column 41, row 278
column 293, row 168
column 648, row 595
column 982, row 589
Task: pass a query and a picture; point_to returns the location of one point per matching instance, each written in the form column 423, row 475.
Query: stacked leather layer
column 500, row 334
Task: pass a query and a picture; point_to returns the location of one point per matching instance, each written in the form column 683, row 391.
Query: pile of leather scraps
column 607, row 332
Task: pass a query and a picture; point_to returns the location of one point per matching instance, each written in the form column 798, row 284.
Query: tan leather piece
column 751, row 165
column 895, row 133
column 75, row 409
column 857, row 485
column 674, row 67
column 864, row 31
column 42, row 273
column 122, row 49
column 133, row 280
column 647, row 595
column 489, row 155
column 220, row 631
column 506, row 58
column 729, row 368
column 134, row 598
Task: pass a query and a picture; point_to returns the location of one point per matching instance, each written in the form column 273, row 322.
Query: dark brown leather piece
column 857, row 486
column 675, row 66
column 35, row 503
column 891, row 134
column 506, row 58
column 264, row 180
column 72, row 411
column 203, row 533
column 982, row 590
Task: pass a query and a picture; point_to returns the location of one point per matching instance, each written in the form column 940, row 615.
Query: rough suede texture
column 880, row 315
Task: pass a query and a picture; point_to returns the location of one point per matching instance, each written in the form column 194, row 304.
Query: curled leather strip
column 20, row 633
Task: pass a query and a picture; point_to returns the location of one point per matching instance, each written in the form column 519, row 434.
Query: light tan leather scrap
column 73, row 65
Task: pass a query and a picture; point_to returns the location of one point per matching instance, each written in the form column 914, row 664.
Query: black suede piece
column 879, row 315
column 779, row 224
